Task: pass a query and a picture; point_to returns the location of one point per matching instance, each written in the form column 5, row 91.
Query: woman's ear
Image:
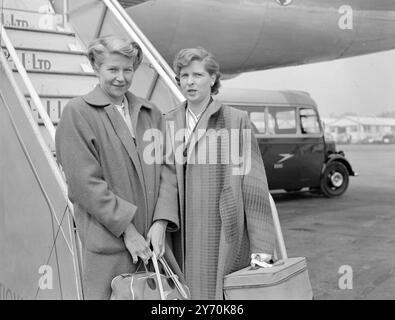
column 96, row 68
column 213, row 77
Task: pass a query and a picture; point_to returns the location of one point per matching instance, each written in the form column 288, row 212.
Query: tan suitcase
column 287, row 280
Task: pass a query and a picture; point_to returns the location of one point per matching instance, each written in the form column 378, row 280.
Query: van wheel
column 334, row 181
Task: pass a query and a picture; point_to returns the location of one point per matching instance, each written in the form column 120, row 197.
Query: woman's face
column 115, row 75
column 196, row 82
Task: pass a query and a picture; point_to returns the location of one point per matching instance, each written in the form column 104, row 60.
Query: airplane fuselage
column 261, row 34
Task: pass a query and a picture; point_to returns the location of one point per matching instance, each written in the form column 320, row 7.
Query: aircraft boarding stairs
column 43, row 64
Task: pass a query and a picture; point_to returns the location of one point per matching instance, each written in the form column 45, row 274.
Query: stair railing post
column 65, row 12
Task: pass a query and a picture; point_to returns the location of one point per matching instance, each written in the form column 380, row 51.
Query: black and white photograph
column 197, row 150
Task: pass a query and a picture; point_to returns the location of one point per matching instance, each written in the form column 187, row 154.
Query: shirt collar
column 197, row 116
column 123, row 104
column 194, row 116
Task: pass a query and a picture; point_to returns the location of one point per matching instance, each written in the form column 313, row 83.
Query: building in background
column 354, row 129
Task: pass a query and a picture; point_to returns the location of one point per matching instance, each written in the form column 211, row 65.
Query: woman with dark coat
column 215, row 178
column 99, row 143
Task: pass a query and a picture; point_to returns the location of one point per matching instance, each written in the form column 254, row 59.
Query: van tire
column 334, row 181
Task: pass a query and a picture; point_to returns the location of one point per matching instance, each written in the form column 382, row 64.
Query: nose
column 190, row 80
column 120, row 77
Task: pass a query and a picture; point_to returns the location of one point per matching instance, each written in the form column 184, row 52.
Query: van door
column 280, row 150
column 312, row 148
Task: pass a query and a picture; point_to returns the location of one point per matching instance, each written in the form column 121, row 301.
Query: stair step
column 60, row 73
column 54, row 106
column 55, row 61
column 42, row 31
column 28, row 5
column 43, row 39
column 53, row 84
column 32, row 20
column 77, row 53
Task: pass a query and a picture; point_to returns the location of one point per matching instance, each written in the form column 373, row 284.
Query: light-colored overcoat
column 225, row 216
column 109, row 182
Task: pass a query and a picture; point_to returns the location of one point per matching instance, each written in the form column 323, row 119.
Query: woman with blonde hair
column 99, row 143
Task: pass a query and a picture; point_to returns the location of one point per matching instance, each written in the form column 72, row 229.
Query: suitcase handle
column 277, row 229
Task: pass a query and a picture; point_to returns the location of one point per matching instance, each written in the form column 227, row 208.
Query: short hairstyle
column 184, row 58
column 114, row 44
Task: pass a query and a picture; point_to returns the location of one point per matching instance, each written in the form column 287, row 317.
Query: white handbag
column 148, row 285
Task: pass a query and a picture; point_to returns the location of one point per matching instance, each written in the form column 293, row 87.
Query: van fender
column 339, row 156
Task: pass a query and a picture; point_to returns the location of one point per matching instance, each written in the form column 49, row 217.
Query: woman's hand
column 157, row 237
column 136, row 244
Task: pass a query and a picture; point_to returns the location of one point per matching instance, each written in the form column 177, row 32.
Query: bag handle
column 160, row 285
column 277, row 229
column 172, row 275
column 141, row 263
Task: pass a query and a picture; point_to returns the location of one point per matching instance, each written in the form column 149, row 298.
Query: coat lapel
column 98, row 98
column 214, row 106
column 134, row 106
column 179, row 118
column 179, row 124
column 126, row 138
column 141, row 123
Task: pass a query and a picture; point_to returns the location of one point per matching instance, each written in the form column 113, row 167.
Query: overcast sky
column 364, row 85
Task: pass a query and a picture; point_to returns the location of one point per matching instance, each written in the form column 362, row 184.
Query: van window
column 308, row 121
column 341, row 130
column 282, row 120
column 258, row 120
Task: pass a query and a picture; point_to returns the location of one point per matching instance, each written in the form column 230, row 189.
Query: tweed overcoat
column 109, row 182
column 224, row 216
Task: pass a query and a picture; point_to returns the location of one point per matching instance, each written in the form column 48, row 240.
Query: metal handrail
column 65, row 11
column 36, row 99
column 149, row 51
column 51, row 129
column 33, row 93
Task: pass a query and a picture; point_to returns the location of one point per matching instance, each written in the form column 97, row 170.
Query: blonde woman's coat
column 109, row 182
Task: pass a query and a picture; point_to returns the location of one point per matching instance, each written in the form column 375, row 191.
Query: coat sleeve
column 167, row 205
column 256, row 194
column 78, row 152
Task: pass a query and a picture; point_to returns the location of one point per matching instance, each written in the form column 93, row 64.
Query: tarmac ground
column 349, row 241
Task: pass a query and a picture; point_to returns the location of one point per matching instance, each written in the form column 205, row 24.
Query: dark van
column 292, row 141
